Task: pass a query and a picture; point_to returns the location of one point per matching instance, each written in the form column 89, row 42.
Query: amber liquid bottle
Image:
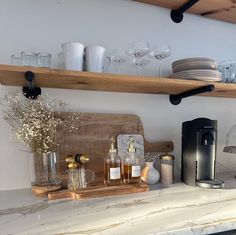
column 132, row 166
column 112, row 168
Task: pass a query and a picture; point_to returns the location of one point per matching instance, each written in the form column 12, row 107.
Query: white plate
column 201, row 78
column 194, row 65
column 199, row 74
column 194, row 59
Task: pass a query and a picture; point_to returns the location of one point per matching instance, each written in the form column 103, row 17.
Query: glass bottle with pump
column 132, row 165
column 112, row 166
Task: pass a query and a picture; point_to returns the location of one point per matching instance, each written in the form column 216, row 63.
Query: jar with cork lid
column 167, row 169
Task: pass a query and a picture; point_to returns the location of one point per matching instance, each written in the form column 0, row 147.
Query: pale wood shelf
column 224, row 10
column 50, row 78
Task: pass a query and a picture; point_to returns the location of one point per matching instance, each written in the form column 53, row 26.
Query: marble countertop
column 179, row 209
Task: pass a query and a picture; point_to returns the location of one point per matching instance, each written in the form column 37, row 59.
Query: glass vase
column 44, row 169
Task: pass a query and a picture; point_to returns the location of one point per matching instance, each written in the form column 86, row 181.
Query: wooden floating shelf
column 50, row 78
column 224, row 10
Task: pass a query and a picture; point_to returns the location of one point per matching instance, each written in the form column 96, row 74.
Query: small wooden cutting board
column 98, row 191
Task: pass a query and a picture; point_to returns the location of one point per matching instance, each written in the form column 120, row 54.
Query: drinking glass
column 116, row 60
column 44, row 59
column 228, row 70
column 159, row 53
column 137, row 51
column 29, row 58
column 16, row 60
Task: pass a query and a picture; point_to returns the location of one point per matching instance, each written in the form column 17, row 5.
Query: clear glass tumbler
column 29, row 58
column 16, row 60
column 44, row 59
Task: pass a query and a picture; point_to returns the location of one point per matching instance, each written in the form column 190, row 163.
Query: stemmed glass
column 159, row 53
column 137, row 51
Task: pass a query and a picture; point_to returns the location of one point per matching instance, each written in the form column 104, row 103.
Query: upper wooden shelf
column 224, row 10
column 50, row 78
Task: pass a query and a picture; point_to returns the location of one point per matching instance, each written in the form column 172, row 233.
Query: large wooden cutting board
column 93, row 138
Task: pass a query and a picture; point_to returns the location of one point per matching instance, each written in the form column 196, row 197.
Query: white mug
column 61, row 61
column 94, row 58
column 73, row 55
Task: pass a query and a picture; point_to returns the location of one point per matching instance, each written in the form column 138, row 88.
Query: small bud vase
column 149, row 174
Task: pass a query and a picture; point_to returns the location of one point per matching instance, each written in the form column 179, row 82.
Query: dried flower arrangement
column 35, row 123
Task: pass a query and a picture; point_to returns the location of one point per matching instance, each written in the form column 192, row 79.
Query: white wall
column 43, row 25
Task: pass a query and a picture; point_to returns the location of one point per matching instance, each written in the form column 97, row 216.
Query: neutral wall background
column 44, row 25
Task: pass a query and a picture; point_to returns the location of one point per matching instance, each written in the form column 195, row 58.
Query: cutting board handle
column 165, row 146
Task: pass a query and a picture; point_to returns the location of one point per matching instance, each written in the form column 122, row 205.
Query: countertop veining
column 179, row 209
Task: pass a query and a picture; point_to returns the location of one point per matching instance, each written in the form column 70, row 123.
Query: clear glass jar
column 16, row 60
column 79, row 179
column 44, row 60
column 167, row 169
column 29, row 58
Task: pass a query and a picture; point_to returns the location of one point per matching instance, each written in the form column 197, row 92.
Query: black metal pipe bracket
column 176, row 99
column 31, row 92
column 178, row 15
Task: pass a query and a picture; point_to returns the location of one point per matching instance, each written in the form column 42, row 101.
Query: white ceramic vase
column 149, row 174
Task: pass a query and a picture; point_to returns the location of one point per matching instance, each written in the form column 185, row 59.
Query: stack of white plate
column 196, row 68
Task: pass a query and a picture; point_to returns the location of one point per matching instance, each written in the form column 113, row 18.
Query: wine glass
column 137, row 51
column 159, row 53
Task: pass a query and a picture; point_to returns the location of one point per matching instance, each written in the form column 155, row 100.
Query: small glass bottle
column 132, row 165
column 112, row 167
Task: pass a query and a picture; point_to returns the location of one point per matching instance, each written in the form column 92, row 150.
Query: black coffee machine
column 199, row 139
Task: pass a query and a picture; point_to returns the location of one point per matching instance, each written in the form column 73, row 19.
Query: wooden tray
column 99, row 191
column 93, row 138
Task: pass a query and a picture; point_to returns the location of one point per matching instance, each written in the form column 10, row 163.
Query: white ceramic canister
column 73, row 55
column 94, row 58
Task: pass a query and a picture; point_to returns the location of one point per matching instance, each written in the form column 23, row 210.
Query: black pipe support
column 178, row 15
column 176, row 99
column 30, row 91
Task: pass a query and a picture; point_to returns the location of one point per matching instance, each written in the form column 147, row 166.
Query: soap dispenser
column 112, row 166
column 132, row 164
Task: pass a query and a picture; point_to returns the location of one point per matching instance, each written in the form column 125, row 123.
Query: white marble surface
column 179, row 209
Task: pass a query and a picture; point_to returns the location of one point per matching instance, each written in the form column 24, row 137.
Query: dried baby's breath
column 35, row 123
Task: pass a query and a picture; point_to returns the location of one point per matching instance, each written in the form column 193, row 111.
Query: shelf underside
column 224, row 10
column 14, row 76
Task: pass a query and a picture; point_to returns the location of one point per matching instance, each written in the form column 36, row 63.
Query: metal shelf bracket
column 178, row 15
column 176, row 99
column 31, row 92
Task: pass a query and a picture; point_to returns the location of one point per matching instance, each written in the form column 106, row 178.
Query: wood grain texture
column 42, row 191
column 224, row 10
column 14, row 76
column 93, row 138
column 99, row 191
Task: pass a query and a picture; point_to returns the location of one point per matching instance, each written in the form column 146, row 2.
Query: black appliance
column 199, row 141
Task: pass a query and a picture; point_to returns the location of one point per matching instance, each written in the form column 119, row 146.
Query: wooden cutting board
column 98, row 191
column 93, row 138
